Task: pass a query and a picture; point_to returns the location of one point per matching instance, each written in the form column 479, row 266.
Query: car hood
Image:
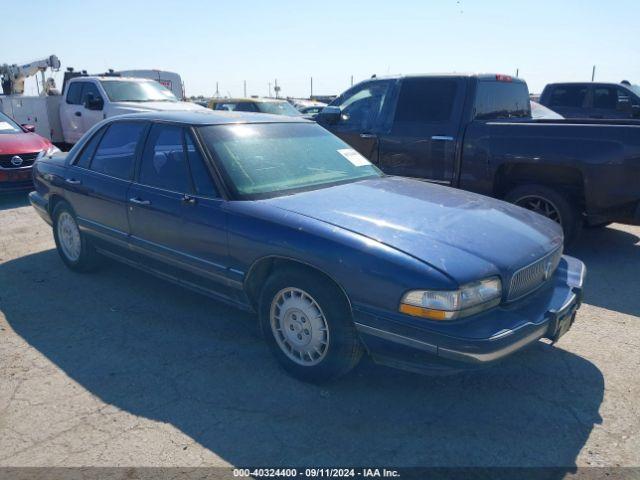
column 462, row 234
column 159, row 106
column 18, row 143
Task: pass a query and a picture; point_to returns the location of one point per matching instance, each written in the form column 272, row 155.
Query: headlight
column 450, row 304
column 47, row 152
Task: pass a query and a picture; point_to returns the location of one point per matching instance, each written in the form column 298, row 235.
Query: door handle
column 368, row 135
column 189, row 200
column 72, row 181
column 444, row 138
column 139, row 201
column 78, row 114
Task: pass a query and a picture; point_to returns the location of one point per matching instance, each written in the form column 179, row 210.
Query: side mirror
column 28, row 127
column 93, row 103
column 329, row 115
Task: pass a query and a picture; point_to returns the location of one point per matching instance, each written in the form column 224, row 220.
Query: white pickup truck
column 87, row 100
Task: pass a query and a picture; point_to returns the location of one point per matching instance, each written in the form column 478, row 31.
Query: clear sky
column 291, row 41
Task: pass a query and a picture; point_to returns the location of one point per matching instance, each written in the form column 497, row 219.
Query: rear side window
column 500, row 100
column 75, row 93
column 115, row 153
column 163, row 161
column 84, row 159
column 428, row 100
column 568, row 96
column 199, row 171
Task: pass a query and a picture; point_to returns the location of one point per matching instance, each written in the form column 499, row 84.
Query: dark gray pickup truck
column 475, row 132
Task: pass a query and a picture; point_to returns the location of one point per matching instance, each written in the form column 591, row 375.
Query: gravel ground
column 118, row 368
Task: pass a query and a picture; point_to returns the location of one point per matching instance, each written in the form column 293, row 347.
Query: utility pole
column 352, row 80
column 517, row 72
column 245, row 89
column 217, row 91
column 593, row 73
column 269, row 89
column 276, row 88
column 311, row 95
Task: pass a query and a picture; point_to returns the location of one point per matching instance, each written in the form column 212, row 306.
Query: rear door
column 363, row 110
column 422, row 139
column 98, row 181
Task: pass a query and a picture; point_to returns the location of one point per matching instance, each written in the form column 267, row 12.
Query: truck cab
column 89, row 100
column 593, row 100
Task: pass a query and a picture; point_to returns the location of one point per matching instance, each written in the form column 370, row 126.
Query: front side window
column 270, row 159
column 89, row 91
column 199, row 172
column 426, row 100
column 361, row 106
column 568, row 96
column 84, row 158
column 74, row 94
column 163, row 160
column 137, row 91
column 115, row 153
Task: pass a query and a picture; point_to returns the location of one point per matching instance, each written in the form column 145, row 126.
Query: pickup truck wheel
column 73, row 247
column 551, row 204
column 307, row 323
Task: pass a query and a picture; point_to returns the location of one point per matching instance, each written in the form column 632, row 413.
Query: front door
column 422, row 140
column 173, row 216
column 362, row 110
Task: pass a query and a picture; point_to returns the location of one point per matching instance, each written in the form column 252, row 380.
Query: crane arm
column 13, row 76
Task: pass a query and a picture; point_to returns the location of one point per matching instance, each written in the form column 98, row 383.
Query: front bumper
column 445, row 347
column 9, row 182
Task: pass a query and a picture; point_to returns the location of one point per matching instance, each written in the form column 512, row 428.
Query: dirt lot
column 119, row 368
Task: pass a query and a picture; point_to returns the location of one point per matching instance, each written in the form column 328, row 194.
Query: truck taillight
column 504, row 78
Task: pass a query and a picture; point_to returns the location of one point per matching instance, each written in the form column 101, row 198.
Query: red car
column 19, row 148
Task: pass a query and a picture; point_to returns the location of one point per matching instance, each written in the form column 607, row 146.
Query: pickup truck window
column 498, row 100
column 568, row 96
column 163, row 161
column 611, row 98
column 74, row 94
column 114, row 155
column 426, row 100
column 137, row 91
column 361, row 106
column 89, row 89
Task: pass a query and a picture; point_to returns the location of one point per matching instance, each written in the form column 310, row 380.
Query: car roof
column 211, row 117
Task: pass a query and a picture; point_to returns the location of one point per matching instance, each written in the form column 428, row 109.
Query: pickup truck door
column 71, row 113
column 423, row 137
column 363, row 108
column 93, row 106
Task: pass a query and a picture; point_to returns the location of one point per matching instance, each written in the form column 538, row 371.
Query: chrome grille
column 533, row 275
column 27, row 159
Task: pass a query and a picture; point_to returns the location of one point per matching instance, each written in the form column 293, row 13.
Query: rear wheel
column 73, row 247
column 551, row 204
column 308, row 325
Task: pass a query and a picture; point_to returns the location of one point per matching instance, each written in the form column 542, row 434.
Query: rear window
column 496, row 100
column 428, row 100
column 568, row 96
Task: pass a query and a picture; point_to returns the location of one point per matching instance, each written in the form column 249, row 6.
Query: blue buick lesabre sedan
column 278, row 216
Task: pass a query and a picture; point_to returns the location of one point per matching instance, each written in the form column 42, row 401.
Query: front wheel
column 73, row 247
column 551, row 204
column 308, row 325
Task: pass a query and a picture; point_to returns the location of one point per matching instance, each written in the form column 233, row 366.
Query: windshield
column 278, row 108
column 270, row 159
column 8, row 126
column 137, row 91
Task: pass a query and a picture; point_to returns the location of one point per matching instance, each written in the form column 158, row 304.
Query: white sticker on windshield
column 6, row 126
column 354, row 157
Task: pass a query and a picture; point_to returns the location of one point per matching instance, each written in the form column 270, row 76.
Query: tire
column 552, row 204
column 292, row 299
column 74, row 248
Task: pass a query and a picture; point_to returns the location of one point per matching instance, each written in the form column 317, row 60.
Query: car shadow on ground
column 612, row 257
column 164, row 353
column 13, row 200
